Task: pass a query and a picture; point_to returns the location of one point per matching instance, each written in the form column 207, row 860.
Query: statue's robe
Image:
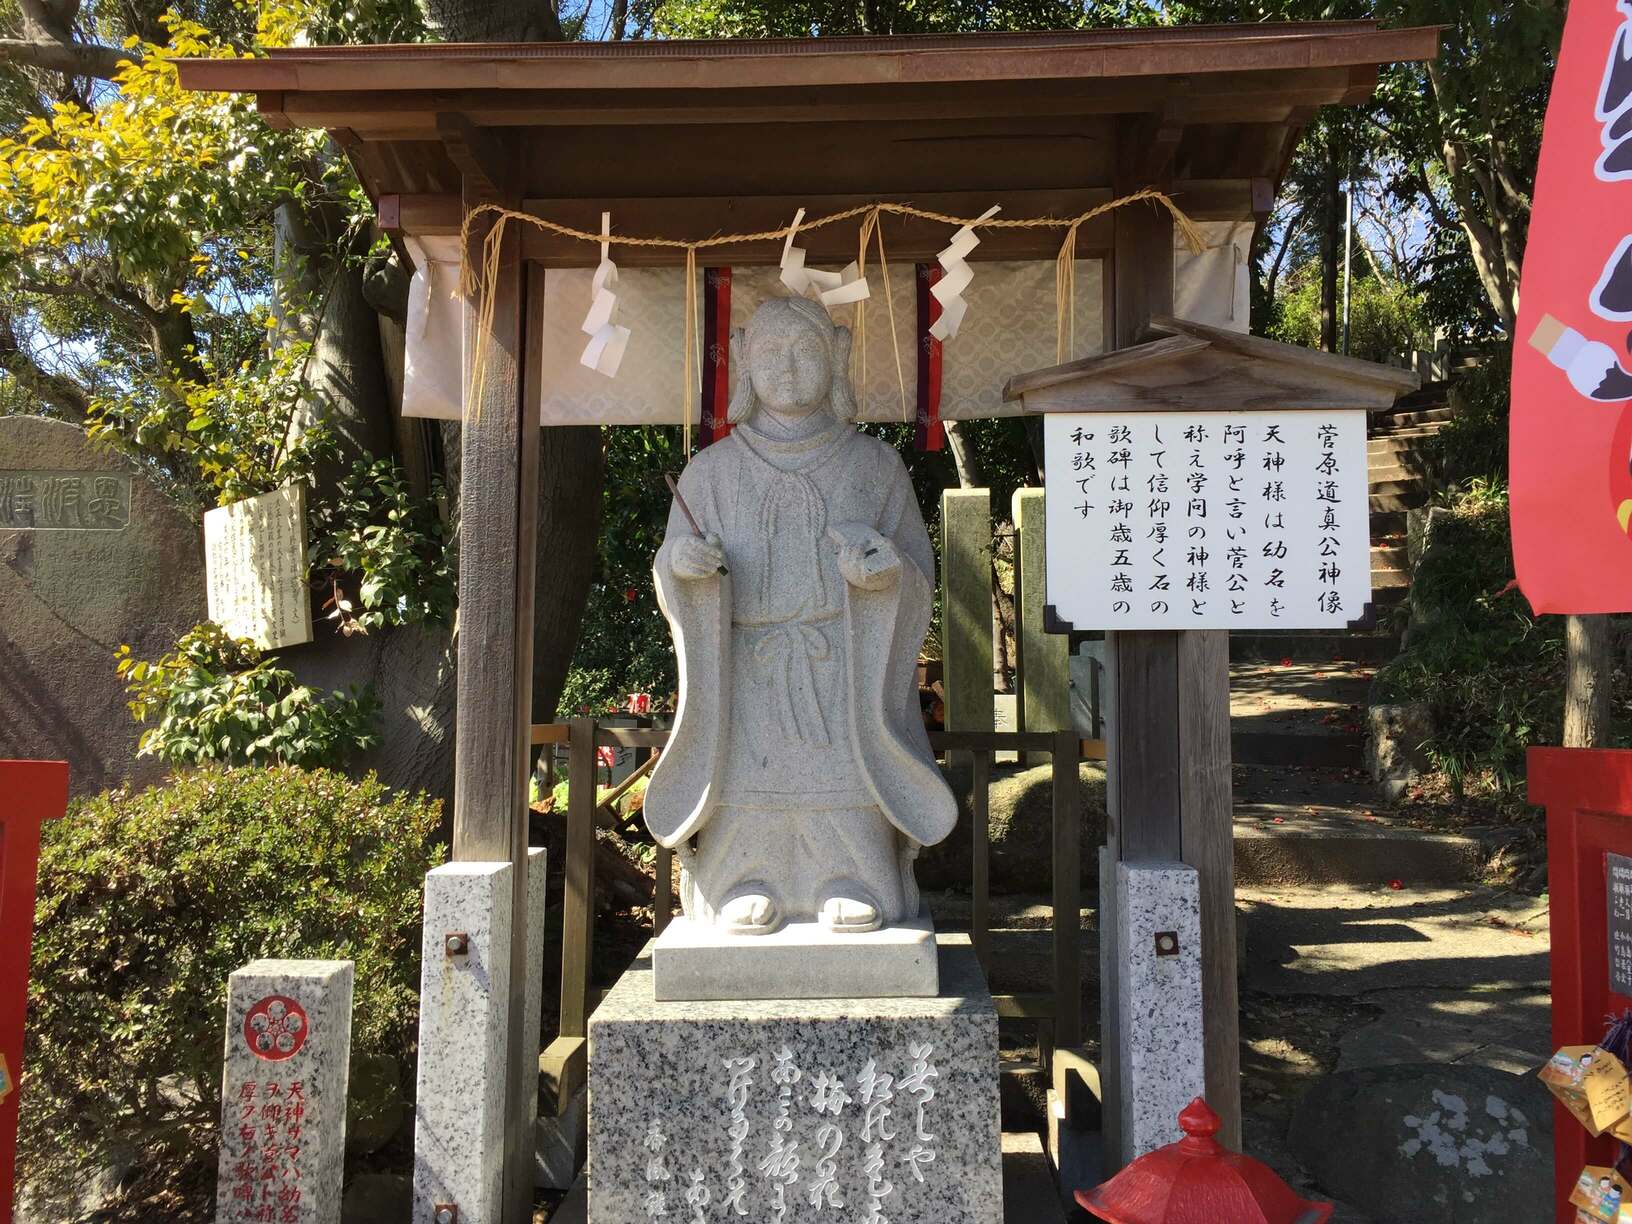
column 799, row 759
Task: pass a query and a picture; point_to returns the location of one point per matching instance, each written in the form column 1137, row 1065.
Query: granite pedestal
column 283, row 1092
column 803, row 960
column 794, row 1111
column 1159, row 1031
column 464, row 1023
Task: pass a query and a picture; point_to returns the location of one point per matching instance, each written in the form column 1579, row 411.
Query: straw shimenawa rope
column 474, row 279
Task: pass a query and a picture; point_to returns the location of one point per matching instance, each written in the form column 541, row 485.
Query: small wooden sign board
column 255, row 561
column 1207, row 480
column 1197, row 520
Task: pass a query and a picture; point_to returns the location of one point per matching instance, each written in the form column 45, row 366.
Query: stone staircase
column 1306, row 811
column 1399, row 483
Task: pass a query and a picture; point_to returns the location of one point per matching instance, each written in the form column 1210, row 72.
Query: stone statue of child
column 799, row 784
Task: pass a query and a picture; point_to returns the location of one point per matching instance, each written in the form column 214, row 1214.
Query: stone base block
column 1159, row 1037
column 804, row 960
column 283, row 1091
column 797, row 1111
column 558, row 1145
column 464, row 1024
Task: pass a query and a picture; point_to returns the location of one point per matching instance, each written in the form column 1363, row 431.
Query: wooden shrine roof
column 689, row 138
column 1196, row 367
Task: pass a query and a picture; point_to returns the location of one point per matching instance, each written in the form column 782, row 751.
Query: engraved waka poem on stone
column 818, row 1141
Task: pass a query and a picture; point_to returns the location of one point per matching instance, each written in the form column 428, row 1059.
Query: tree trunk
column 1589, row 645
column 1004, row 548
column 571, row 465
column 320, row 298
column 1493, row 232
column 970, row 474
column 1329, row 242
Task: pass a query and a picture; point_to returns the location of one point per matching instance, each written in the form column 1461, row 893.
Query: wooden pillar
column 966, row 608
column 498, row 530
column 1168, row 742
column 1207, row 832
column 1043, row 659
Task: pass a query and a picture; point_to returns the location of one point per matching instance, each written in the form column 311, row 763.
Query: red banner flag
column 1571, row 428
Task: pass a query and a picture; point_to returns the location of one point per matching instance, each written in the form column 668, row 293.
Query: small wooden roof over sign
column 688, row 139
column 1196, row 368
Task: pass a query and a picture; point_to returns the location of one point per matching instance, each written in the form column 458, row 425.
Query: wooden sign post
column 1156, row 522
column 35, row 791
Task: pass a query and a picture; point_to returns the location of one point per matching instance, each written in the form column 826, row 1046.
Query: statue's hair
column 835, row 338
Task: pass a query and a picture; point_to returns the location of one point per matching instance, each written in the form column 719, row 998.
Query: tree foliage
column 136, row 260
column 216, row 698
column 395, row 549
column 1386, row 316
column 1459, row 136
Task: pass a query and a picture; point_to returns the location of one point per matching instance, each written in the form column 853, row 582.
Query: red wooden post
column 34, row 792
column 1588, row 796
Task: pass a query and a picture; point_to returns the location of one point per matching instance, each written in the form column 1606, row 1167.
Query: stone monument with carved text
column 799, row 786
column 799, row 1046
column 92, row 555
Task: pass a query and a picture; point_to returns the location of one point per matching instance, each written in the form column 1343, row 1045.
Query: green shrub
column 148, row 901
column 1489, row 672
column 1473, row 444
column 393, row 548
column 218, row 700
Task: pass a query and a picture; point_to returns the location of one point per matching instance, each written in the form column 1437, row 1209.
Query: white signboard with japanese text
column 1207, row 520
column 255, row 563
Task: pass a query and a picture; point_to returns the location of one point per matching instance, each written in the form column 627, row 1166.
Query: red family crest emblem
column 276, row 1028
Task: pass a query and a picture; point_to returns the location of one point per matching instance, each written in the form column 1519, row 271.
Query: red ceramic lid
column 1197, row 1181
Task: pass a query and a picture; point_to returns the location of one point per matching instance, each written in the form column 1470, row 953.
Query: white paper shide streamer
column 607, row 337
column 955, row 277
column 829, row 288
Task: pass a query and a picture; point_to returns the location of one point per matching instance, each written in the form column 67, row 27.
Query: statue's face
column 788, row 363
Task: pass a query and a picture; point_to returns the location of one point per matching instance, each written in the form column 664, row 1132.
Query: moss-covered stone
column 1021, row 815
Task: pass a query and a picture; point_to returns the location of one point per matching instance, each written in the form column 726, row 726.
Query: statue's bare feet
column 750, row 914
column 851, row 916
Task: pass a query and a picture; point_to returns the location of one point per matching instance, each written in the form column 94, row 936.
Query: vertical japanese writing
column 874, row 1089
column 265, row 1179
column 657, row 1171
column 1233, row 465
column 697, row 1197
column 741, row 1072
column 1618, row 876
column 1328, row 499
column 1083, row 470
column 1274, row 547
column 919, row 1086
column 1207, row 520
column 828, row 1097
column 1120, row 512
column 1197, row 582
column 781, row 1165
column 1159, row 491
column 256, row 568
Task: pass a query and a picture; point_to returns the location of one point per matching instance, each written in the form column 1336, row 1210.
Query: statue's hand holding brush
column 696, row 557
column 866, row 559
